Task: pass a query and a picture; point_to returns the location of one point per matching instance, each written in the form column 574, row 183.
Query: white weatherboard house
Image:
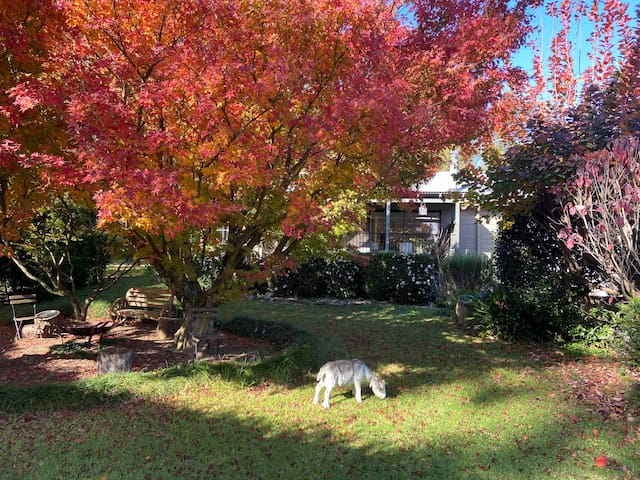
column 410, row 225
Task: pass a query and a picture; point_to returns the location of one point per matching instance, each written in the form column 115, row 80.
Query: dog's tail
column 320, row 376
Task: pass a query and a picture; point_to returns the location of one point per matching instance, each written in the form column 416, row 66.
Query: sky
column 546, row 27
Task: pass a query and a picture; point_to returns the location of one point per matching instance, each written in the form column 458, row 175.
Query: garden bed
column 45, row 360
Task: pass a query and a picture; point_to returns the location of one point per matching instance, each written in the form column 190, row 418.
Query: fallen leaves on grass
column 598, row 384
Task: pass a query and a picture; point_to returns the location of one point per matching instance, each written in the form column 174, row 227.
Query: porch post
column 455, row 237
column 477, row 232
column 387, row 225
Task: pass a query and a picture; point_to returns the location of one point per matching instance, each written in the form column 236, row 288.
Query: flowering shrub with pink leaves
column 601, row 212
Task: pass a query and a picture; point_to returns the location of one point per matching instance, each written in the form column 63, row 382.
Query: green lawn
column 458, row 408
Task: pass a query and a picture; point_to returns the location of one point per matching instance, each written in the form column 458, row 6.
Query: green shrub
column 381, row 275
column 489, row 314
column 306, row 280
column 599, row 336
column 541, row 290
column 596, row 329
column 394, row 277
column 389, row 276
column 629, row 324
column 64, row 243
column 525, row 314
column 344, row 279
column 528, row 256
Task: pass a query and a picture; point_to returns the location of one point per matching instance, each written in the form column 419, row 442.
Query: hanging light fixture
column 423, row 212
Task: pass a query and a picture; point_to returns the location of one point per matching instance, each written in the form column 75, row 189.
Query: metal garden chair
column 24, row 310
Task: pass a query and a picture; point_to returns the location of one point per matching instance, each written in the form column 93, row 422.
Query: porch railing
column 367, row 242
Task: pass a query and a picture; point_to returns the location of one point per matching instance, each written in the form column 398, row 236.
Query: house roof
column 441, row 183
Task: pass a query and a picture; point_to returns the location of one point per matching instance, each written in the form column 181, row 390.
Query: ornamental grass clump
column 466, row 273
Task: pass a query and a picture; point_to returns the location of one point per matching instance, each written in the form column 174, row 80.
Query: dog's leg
column 358, row 390
column 327, row 391
column 317, row 394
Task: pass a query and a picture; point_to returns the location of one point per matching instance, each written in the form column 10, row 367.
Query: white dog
column 341, row 373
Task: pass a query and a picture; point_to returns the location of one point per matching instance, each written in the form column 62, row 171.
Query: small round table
column 42, row 322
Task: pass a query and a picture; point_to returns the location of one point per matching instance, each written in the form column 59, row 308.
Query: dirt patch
column 66, row 358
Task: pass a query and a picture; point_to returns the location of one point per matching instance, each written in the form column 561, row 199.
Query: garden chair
column 24, row 310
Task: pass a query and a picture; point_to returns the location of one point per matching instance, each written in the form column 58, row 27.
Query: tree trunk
column 190, row 294
column 183, row 338
column 77, row 311
column 167, row 328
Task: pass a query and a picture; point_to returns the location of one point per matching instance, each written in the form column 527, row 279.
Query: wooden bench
column 143, row 304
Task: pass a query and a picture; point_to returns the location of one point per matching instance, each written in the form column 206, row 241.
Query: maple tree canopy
column 31, row 135
column 265, row 118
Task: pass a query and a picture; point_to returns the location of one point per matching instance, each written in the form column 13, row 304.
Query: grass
column 459, row 407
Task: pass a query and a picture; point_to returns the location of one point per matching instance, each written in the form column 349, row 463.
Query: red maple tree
column 262, row 119
column 32, row 135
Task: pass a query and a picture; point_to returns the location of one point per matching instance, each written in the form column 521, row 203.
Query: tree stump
column 209, row 340
column 44, row 327
column 115, row 360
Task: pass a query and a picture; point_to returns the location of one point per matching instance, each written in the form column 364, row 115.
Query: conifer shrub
column 539, row 296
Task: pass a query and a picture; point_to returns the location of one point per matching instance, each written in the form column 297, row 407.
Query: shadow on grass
column 144, row 439
column 57, row 360
column 289, row 368
column 72, row 396
column 248, row 434
column 418, row 345
column 297, row 355
column 415, row 347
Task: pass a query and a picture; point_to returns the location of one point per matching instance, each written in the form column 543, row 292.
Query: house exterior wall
column 477, row 235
